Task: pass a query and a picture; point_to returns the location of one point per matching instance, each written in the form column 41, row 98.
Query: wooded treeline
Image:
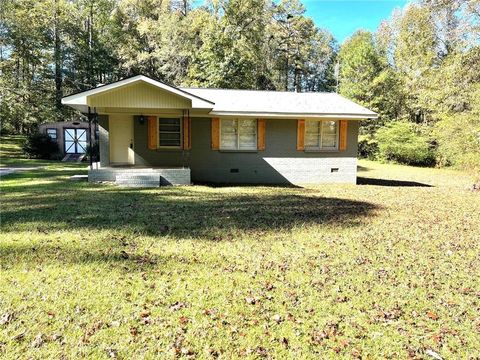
column 54, row 47
column 421, row 67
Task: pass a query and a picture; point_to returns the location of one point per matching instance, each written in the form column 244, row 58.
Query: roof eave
column 344, row 116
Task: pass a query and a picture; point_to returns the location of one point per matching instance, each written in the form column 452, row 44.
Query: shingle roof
column 276, row 102
column 218, row 102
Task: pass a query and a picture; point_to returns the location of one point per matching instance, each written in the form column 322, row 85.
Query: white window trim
column 158, row 132
column 237, row 148
column 321, row 148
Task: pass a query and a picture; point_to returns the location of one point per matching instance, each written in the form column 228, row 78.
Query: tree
column 302, row 55
column 365, row 77
column 456, row 97
column 414, row 57
column 231, row 51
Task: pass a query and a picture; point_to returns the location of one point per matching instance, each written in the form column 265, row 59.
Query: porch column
column 104, row 141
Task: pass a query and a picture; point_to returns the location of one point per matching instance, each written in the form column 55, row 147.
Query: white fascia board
column 296, row 116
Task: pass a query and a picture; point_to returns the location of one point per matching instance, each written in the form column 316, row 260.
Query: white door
column 121, row 139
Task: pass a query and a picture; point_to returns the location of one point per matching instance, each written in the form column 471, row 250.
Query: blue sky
column 343, row 17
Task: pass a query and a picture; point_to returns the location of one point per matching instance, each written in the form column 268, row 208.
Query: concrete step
column 138, row 179
column 74, row 157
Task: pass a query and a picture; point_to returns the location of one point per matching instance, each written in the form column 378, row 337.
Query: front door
column 75, row 141
column 121, row 139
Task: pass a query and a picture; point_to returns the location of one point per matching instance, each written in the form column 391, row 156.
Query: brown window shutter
column 187, row 133
column 343, row 135
column 300, row 135
column 215, row 133
column 261, row 134
column 152, row 132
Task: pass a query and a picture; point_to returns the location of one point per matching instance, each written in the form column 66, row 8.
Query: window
column 52, row 133
column 238, row 134
column 321, row 135
column 169, row 132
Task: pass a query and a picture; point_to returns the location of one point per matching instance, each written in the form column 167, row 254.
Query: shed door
column 75, row 141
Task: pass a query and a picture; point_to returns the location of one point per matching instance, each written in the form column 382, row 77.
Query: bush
column 400, row 142
column 40, row 146
column 459, row 142
column 367, row 147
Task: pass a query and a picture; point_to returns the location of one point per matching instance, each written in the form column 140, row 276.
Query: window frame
column 237, row 148
column 321, row 148
column 56, row 133
column 158, row 133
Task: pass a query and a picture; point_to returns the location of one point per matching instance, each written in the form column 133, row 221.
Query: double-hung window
column 169, row 133
column 52, row 133
column 321, row 135
column 238, row 134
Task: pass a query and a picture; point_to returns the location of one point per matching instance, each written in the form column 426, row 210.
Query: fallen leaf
column 145, row 314
column 19, row 336
column 277, row 318
column 433, row 354
column 269, row 286
column 187, row 351
column 207, row 312
column 251, row 300
column 112, row 353
column 6, row 318
column 432, row 315
column 284, row 342
column 356, row 354
column 38, row 341
column 177, row 306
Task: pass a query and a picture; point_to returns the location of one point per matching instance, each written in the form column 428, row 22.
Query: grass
column 11, row 153
column 388, row 269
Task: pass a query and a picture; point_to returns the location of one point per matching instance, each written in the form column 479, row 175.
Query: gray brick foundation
column 316, row 170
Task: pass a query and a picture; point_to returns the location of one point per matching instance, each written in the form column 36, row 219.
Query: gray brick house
column 184, row 135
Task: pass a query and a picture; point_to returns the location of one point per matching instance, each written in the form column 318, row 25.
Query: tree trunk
column 58, row 60
column 286, row 72
column 90, row 47
column 296, row 81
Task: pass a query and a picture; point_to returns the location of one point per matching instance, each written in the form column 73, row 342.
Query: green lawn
column 389, row 269
column 11, row 153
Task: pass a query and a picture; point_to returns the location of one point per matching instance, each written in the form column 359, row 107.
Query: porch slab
column 133, row 176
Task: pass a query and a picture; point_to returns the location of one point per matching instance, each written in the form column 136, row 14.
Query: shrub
column 40, row 146
column 400, row 142
column 459, row 142
column 367, row 147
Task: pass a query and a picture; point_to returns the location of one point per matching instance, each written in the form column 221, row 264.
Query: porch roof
column 85, row 99
column 223, row 102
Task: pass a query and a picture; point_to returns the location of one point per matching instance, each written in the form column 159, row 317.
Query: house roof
column 277, row 103
column 255, row 103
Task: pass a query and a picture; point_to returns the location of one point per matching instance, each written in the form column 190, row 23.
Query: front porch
column 138, row 176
